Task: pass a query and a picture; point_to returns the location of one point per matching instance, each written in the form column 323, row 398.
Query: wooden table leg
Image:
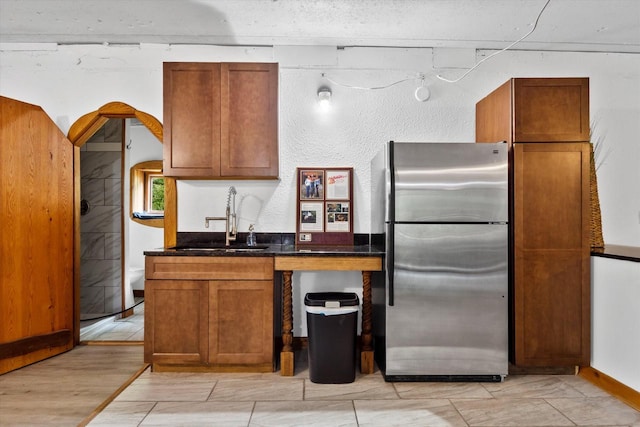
column 366, row 351
column 286, row 355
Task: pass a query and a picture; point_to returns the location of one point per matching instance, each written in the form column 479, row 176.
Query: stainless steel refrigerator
column 441, row 307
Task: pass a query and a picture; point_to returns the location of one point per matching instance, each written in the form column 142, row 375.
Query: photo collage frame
column 325, row 206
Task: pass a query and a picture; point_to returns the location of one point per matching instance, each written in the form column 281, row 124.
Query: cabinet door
column 551, row 234
column 191, row 119
column 241, row 314
column 175, row 321
column 551, row 109
column 249, row 140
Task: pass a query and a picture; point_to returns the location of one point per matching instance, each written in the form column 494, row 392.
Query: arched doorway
column 79, row 133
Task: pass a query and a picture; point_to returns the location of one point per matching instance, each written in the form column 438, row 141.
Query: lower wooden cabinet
column 197, row 317
column 176, row 317
column 241, row 322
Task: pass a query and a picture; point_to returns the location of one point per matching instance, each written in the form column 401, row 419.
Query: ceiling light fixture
column 422, row 93
column 324, row 97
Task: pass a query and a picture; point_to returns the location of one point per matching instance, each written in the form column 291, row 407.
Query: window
column 147, row 194
column 154, row 197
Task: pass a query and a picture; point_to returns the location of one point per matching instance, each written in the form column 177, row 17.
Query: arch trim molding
column 87, row 125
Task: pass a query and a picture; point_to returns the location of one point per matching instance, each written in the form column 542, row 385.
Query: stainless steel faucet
column 231, row 229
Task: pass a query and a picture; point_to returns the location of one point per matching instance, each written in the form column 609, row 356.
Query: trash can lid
column 331, row 299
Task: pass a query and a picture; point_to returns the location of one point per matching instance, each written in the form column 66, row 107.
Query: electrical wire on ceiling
column 421, row 94
column 421, row 76
column 500, row 51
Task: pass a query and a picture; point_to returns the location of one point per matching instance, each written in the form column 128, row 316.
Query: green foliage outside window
column 157, row 194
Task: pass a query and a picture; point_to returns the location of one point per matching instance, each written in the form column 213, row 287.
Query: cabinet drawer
column 209, row 268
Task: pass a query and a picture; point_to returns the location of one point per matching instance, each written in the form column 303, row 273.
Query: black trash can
column 332, row 321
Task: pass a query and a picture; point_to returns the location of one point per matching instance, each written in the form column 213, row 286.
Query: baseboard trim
column 35, row 343
column 612, row 386
column 542, row 370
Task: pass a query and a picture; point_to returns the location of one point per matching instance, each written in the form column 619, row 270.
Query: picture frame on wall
column 311, row 184
column 324, row 206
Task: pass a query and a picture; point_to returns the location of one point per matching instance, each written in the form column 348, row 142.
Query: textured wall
column 69, row 81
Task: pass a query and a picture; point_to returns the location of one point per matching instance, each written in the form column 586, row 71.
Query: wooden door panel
column 36, row 242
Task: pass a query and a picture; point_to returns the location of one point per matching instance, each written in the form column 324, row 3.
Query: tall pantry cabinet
column 545, row 121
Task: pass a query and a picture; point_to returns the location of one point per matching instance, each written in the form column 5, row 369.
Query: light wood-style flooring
column 66, row 389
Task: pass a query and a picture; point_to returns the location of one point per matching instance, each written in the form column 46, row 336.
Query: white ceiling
column 570, row 25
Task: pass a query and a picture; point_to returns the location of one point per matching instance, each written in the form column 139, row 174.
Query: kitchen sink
column 225, row 249
column 247, row 249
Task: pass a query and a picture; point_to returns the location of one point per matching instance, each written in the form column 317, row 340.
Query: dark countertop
column 626, row 253
column 270, row 250
column 282, row 245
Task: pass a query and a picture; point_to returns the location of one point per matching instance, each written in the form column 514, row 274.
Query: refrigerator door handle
column 392, row 219
column 390, row 261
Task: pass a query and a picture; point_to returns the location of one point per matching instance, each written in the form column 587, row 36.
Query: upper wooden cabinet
column 535, row 110
column 221, row 120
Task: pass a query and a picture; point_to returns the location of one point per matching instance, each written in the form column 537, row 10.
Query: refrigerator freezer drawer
column 450, row 301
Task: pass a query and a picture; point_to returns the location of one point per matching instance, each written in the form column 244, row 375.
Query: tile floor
column 65, row 390
column 114, row 328
column 186, row 399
